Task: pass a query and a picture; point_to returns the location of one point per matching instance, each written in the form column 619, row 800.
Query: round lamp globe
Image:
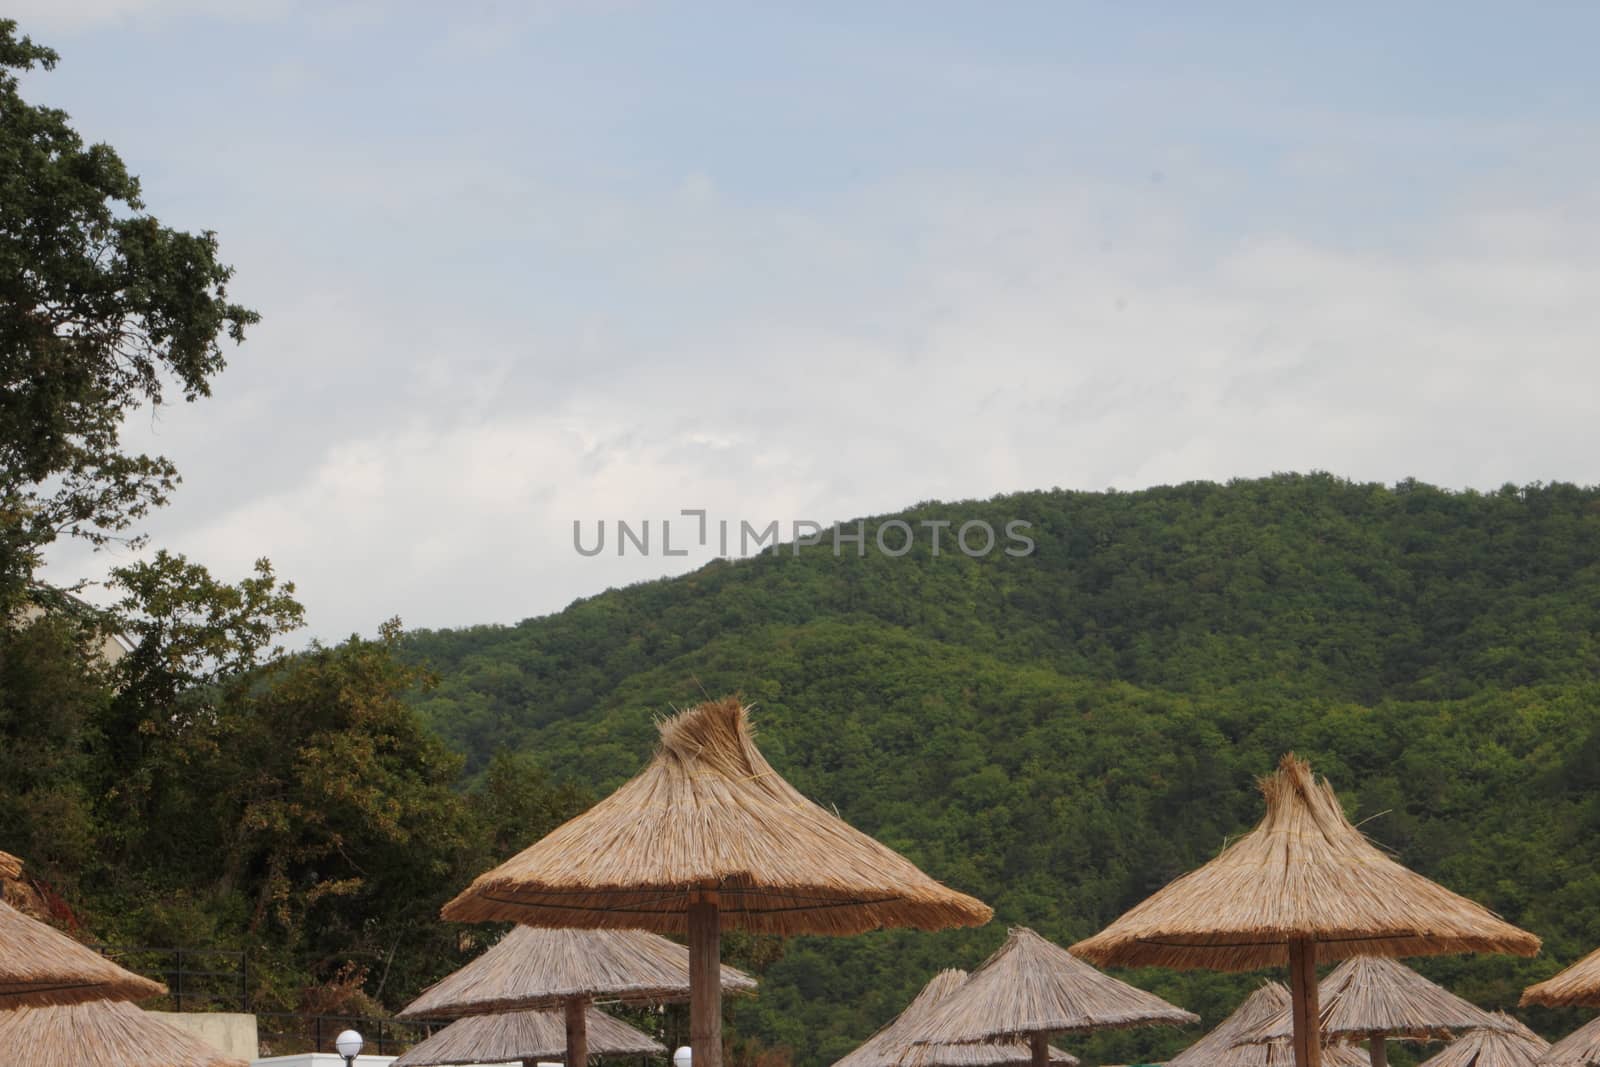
column 349, row 1044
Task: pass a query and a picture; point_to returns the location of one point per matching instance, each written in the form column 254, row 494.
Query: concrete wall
column 233, row 1033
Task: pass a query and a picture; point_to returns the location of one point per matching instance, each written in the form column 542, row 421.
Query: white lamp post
column 349, row 1045
column 682, row 1057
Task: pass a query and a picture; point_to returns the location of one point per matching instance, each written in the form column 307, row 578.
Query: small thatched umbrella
column 1511, row 1045
column 40, row 966
column 1581, row 1048
column 1030, row 989
column 706, row 837
column 895, row 1044
column 1303, row 884
column 538, row 968
column 99, row 1034
column 1577, row 985
column 1221, row 1047
column 527, row 1036
column 1372, row 999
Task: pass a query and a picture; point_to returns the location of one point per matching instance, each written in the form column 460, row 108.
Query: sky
column 522, row 265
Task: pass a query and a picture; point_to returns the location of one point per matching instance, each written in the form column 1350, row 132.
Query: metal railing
column 194, row 982
column 282, row 1033
column 214, row 979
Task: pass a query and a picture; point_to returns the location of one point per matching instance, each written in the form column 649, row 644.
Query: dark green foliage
column 517, row 802
column 49, row 704
column 1065, row 733
column 1297, row 585
column 102, row 310
column 199, row 791
column 191, row 636
column 298, row 808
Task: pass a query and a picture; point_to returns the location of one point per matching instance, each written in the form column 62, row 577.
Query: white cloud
column 466, row 348
column 1047, row 362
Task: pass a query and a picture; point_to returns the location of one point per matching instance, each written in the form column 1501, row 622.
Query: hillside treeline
column 1062, row 733
column 1058, row 734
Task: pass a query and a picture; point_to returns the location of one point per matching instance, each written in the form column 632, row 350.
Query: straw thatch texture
column 526, row 1035
column 1513, row 1045
column 1371, row 996
column 537, row 967
column 40, row 965
column 1221, row 1047
column 1581, row 1048
column 1030, row 986
column 20, row 891
column 100, row 1034
column 1304, row 873
column 1578, row 984
column 895, row 1044
column 708, row 812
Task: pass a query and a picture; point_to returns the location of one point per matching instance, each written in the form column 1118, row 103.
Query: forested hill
column 1292, row 586
column 1061, row 733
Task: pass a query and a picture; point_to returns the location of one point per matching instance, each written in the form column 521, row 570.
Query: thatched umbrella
column 1577, row 985
column 538, row 968
column 99, row 1034
column 1581, row 1048
column 39, row 965
column 707, row 837
column 1372, row 999
column 895, row 1044
column 1030, row 989
column 527, row 1036
column 1511, row 1045
column 1221, row 1047
column 1303, row 884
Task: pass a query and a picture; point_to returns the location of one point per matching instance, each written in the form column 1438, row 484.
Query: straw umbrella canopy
column 1512, row 1045
column 39, row 966
column 709, row 837
column 100, row 1034
column 18, row 891
column 1577, row 985
column 1304, row 884
column 527, row 1036
column 1581, row 1048
column 1372, row 998
column 1221, row 1047
column 895, row 1044
column 1030, row 989
column 536, row 968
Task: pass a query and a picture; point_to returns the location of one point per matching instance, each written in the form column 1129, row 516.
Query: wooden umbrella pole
column 705, row 974
column 1378, row 1049
column 577, row 1032
column 1303, row 989
column 1040, row 1044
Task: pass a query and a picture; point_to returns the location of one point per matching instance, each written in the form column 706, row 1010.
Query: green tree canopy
column 102, row 310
